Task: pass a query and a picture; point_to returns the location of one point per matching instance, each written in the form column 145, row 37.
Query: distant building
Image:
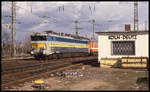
column 123, row 44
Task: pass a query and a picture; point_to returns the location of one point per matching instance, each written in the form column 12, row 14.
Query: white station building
column 123, row 44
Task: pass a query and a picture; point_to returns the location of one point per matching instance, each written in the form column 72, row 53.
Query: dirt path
column 87, row 85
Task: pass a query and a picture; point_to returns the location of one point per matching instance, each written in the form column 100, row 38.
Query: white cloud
column 6, row 8
column 6, row 27
column 39, row 27
column 115, row 27
column 142, row 26
column 109, row 3
column 118, row 13
column 22, row 8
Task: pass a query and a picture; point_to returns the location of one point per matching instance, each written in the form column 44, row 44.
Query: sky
column 59, row 16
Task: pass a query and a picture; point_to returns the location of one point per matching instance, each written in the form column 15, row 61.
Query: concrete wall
column 141, row 47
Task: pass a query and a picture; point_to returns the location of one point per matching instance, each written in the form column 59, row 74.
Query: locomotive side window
column 54, row 38
column 49, row 38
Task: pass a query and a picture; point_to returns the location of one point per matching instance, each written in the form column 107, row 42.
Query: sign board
column 126, row 37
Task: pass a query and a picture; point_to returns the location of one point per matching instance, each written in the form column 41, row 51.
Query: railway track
column 13, row 78
column 26, row 61
column 17, row 58
column 29, row 65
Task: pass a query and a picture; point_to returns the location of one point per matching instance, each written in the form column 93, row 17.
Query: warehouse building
column 113, row 46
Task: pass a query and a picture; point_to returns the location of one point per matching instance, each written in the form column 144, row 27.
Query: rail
column 40, row 72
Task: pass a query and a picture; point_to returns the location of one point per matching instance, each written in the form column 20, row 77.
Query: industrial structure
column 136, row 25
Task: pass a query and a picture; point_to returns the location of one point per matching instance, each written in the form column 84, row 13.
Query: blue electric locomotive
column 51, row 44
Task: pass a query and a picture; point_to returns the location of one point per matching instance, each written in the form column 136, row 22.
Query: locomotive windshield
column 38, row 38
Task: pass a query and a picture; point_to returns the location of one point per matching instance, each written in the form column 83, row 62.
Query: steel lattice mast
column 13, row 28
column 136, row 25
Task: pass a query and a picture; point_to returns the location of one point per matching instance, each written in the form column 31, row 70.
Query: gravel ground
column 91, row 78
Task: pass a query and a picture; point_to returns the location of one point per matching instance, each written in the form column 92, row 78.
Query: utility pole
column 13, row 28
column 31, row 7
column 76, row 27
column 136, row 26
column 93, row 22
column 145, row 25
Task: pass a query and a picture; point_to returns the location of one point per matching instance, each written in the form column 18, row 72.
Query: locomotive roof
column 60, row 35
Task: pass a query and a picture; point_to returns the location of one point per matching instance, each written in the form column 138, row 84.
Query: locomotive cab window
column 38, row 38
column 123, row 48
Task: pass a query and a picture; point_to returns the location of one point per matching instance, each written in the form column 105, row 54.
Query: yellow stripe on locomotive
column 54, row 45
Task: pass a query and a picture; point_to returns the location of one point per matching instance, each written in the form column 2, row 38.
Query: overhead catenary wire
column 94, row 3
column 31, row 8
column 91, row 4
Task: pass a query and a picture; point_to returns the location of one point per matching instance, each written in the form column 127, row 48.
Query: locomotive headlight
column 44, row 52
column 32, row 52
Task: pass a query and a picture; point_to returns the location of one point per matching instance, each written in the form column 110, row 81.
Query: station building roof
column 123, row 32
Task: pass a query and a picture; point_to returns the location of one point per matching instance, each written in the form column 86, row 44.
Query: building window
column 123, row 48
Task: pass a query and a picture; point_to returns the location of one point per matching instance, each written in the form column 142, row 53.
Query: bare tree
column 26, row 44
column 19, row 48
column 6, row 44
column 22, row 47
